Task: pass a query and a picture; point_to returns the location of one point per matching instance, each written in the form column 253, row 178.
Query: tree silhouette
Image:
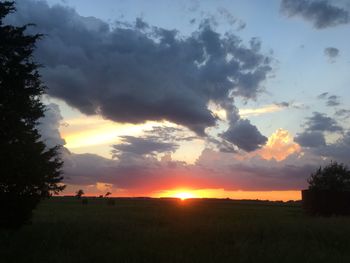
column 334, row 177
column 29, row 171
column 79, row 193
column 108, row 194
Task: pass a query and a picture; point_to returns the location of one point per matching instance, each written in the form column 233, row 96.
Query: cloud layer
column 143, row 165
column 135, row 72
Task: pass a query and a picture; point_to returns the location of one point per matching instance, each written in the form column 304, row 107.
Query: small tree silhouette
column 334, row 177
column 79, row 193
column 108, row 194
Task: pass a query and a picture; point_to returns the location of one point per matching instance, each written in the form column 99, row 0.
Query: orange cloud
column 279, row 146
column 104, row 187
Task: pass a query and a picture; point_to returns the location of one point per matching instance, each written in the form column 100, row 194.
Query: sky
column 226, row 99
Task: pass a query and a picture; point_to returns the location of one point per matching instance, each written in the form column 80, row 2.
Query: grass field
column 64, row 230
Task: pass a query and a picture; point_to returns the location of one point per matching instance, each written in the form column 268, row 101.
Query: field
column 155, row 230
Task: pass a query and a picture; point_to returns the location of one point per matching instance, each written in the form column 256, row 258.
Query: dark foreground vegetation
column 154, row 230
column 329, row 191
column 30, row 170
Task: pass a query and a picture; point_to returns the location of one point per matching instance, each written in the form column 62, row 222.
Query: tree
column 334, row 177
column 29, row 170
column 108, row 194
column 79, row 193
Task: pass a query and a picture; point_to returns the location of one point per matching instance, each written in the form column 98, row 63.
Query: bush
column 333, row 177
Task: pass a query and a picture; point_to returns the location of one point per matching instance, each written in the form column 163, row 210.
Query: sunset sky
column 239, row 99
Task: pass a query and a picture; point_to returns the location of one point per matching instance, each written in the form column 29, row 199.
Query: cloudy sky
column 240, row 99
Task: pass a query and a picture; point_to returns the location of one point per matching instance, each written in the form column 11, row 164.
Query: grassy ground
column 64, row 230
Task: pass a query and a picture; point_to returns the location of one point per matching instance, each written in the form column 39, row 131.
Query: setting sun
column 184, row 195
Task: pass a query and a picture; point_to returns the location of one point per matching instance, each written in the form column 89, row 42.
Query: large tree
column 333, row 177
column 29, row 170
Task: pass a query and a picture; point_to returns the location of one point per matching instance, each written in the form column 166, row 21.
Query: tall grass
column 64, row 230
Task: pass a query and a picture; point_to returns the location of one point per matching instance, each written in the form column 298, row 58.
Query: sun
column 184, row 195
column 180, row 193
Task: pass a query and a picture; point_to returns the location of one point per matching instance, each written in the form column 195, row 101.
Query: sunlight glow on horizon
column 283, row 195
column 184, row 195
column 180, row 193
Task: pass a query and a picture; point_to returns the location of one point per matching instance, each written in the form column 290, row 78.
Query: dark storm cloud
column 133, row 73
column 240, row 133
column 321, row 13
column 245, row 135
column 322, row 123
column 160, row 139
column 142, row 146
column 310, row 139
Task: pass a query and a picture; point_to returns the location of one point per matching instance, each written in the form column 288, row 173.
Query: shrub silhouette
column 79, row 193
column 29, row 170
column 333, row 177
